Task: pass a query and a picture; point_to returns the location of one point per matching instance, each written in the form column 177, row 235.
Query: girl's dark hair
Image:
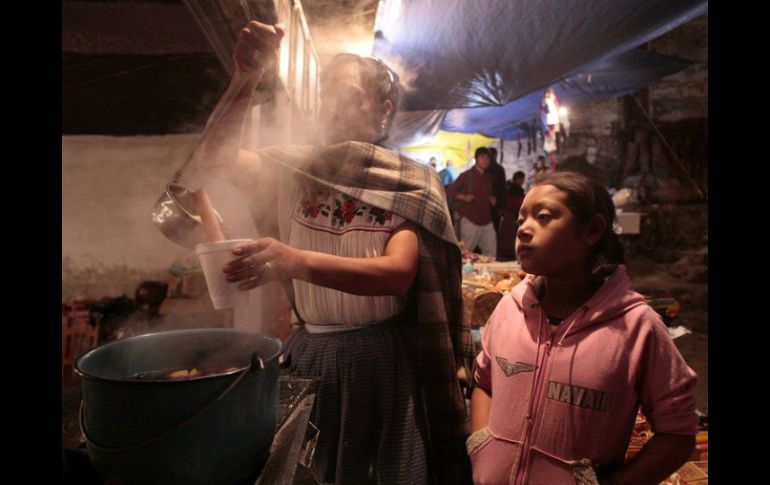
column 587, row 198
column 379, row 79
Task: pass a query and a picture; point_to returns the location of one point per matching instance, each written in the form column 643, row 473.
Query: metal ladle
column 175, row 213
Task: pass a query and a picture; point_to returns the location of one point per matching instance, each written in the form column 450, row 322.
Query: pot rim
column 128, row 380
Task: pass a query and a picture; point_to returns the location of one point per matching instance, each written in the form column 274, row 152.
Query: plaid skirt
column 372, row 425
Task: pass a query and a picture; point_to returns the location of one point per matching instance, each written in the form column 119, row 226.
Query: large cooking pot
column 213, row 429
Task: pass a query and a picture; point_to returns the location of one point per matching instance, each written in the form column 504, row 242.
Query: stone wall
column 666, row 159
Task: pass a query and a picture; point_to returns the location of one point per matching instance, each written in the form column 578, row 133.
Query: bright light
column 361, row 47
column 283, row 62
column 563, row 111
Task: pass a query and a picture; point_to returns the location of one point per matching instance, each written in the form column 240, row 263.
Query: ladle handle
column 210, row 125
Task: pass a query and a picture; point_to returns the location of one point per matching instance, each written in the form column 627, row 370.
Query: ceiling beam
column 130, row 29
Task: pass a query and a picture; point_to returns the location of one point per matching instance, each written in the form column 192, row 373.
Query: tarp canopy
column 472, row 54
column 457, row 147
column 617, row 76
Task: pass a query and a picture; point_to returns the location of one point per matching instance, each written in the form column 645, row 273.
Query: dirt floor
column 686, row 280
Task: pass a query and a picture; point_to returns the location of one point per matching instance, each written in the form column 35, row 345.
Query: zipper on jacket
column 523, row 465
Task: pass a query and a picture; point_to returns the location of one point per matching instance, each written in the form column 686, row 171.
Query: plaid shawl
column 384, row 179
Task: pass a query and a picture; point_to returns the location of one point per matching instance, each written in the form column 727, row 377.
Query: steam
column 348, row 26
column 131, row 174
column 330, row 40
column 337, row 26
column 407, row 75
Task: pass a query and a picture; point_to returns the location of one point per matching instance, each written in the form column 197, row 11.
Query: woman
column 365, row 238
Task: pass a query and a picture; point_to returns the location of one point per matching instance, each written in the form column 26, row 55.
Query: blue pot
column 213, row 429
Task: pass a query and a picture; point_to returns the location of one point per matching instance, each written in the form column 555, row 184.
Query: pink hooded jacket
column 571, row 393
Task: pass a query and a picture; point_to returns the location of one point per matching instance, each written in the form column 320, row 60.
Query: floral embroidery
column 345, row 212
column 311, row 205
column 379, row 215
column 340, row 210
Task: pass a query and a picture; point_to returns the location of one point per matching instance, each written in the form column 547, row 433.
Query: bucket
column 212, row 429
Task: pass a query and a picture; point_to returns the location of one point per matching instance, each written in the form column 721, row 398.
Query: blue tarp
column 618, row 76
column 489, row 53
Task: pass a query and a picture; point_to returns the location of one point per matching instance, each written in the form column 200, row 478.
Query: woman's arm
column 255, row 48
column 268, row 259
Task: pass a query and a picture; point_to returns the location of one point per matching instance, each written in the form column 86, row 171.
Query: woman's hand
column 261, row 261
column 268, row 259
column 257, row 47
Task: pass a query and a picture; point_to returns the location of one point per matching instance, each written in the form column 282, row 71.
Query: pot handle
column 256, row 365
column 284, row 360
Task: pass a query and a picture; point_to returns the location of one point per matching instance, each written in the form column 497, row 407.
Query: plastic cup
column 213, row 257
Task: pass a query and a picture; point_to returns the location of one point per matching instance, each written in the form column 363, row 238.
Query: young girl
column 572, row 353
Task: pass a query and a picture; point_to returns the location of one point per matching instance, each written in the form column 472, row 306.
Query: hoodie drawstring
column 558, row 345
